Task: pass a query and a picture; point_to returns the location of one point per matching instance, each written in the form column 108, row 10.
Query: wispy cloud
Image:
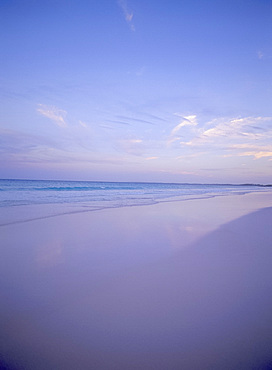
column 54, row 114
column 121, row 121
column 186, row 121
column 129, row 119
column 256, row 151
column 257, row 155
column 24, row 150
column 173, row 172
column 151, row 158
column 83, row 124
column 242, row 136
column 157, row 118
column 241, row 129
column 251, row 127
column 260, row 54
column 127, row 13
column 132, row 146
column 21, row 147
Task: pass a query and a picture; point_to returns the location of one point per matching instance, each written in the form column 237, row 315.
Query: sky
column 136, row 90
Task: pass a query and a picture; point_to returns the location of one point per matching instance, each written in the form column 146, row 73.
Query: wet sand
column 178, row 285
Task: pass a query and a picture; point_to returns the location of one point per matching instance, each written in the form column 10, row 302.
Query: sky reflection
column 148, row 286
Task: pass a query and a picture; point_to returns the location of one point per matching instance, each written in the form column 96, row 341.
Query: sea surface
column 24, row 200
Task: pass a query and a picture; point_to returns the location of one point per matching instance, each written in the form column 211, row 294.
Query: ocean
column 24, row 200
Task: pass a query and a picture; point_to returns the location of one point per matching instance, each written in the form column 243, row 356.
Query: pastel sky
column 136, row 90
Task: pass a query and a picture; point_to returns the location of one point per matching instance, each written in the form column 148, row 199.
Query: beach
column 173, row 285
column 135, row 185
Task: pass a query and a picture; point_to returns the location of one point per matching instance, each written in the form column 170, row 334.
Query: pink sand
column 181, row 285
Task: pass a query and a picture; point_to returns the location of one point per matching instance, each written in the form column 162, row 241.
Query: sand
column 179, row 285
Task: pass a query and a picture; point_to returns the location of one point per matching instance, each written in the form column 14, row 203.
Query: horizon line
column 140, row 182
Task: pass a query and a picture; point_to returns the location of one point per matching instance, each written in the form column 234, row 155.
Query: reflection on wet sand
column 122, row 289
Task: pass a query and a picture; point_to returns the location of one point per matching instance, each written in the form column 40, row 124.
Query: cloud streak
column 186, row 121
column 24, row 150
column 256, row 151
column 222, row 130
column 54, row 114
column 223, row 137
column 135, row 120
column 237, row 127
column 190, row 121
column 127, row 14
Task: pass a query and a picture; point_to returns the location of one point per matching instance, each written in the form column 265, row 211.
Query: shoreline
column 16, row 214
column 173, row 285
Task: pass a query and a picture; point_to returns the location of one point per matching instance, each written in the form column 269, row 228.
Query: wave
column 33, row 192
column 28, row 200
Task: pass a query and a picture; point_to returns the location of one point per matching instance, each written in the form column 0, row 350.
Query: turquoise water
column 34, row 192
column 25, row 200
